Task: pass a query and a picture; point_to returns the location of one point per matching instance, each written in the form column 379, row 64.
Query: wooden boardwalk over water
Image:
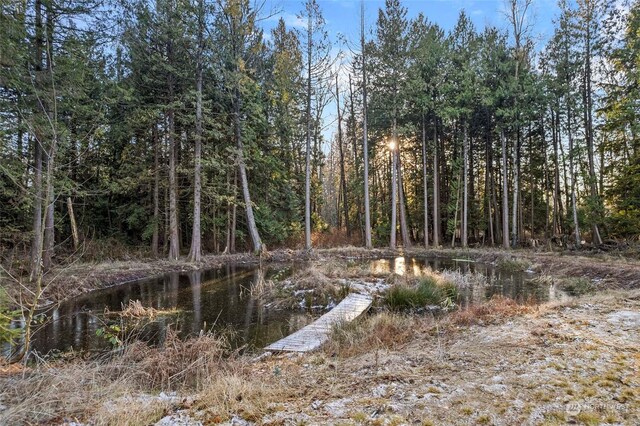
column 315, row 334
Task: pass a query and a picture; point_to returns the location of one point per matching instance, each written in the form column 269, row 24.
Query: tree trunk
column 244, row 183
column 36, row 244
column 365, row 150
column 436, row 188
column 394, row 186
column 488, row 185
column 195, row 254
column 234, row 214
column 455, row 215
column 228, row 227
column 48, row 202
column 74, row 227
column 174, row 242
column 574, row 206
column 49, row 232
column 425, row 189
column 516, row 191
column 307, row 178
column 545, row 176
column 555, row 227
column 505, row 192
column 588, row 106
column 404, row 221
column 156, row 192
column 533, row 184
column 572, row 177
column 343, row 177
column 465, row 196
column 356, row 157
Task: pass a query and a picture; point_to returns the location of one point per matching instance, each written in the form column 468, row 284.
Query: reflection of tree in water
column 256, row 281
column 174, row 286
column 235, row 291
column 195, row 280
column 231, row 297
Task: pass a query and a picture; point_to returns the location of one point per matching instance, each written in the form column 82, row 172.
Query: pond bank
column 604, row 270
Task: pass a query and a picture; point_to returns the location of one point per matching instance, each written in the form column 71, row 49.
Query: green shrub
column 401, row 297
column 428, row 292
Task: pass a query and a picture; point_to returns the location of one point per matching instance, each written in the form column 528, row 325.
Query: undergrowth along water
column 428, row 291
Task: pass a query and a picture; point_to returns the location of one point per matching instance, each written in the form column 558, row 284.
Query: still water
column 221, row 299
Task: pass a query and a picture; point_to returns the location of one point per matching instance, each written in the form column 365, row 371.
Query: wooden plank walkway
column 315, row 334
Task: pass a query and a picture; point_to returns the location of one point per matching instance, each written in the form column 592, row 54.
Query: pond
column 221, row 299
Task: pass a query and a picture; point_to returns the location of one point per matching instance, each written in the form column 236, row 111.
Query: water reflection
column 515, row 285
column 229, row 298
column 191, row 302
column 395, row 265
column 195, row 280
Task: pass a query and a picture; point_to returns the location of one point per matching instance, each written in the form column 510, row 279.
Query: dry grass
column 240, row 394
column 496, row 310
column 347, row 268
column 311, row 284
column 83, row 389
column 50, row 392
column 381, row 331
column 178, row 363
column 513, row 264
column 131, row 411
column 134, row 309
column 459, row 279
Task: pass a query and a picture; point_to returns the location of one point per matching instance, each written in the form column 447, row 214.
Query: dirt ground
column 576, row 363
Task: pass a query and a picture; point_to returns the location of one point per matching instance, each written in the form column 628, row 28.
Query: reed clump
column 427, row 291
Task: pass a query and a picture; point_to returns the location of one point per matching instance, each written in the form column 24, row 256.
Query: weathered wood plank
column 315, row 334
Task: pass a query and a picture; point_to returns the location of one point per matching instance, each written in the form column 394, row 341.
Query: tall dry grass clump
column 461, row 280
column 513, row 264
column 386, row 330
column 107, row 390
column 49, row 393
column 177, row 364
column 135, row 309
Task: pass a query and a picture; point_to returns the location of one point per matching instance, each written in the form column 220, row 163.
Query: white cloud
column 291, row 20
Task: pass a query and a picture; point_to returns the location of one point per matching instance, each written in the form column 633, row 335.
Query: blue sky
column 343, row 18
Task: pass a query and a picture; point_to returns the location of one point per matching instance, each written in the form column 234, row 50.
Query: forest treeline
column 174, row 127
